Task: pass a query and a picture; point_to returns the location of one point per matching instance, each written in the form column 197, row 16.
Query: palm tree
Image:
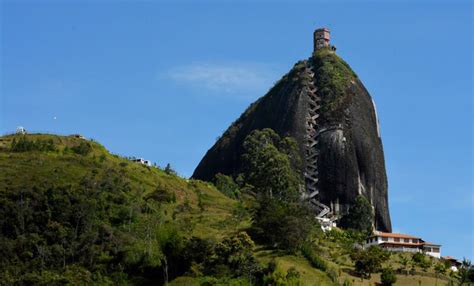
column 464, row 271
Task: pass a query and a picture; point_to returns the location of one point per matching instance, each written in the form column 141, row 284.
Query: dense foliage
column 368, row 261
column 360, row 216
column 24, row 145
column 283, row 225
column 100, row 231
column 334, row 78
column 85, row 217
column 269, row 164
column 280, row 219
column 315, row 261
column 388, row 277
column 227, row 186
column 83, row 148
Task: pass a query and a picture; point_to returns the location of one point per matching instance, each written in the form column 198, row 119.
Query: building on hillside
column 142, row 161
column 453, row 262
column 79, row 136
column 20, row 130
column 403, row 243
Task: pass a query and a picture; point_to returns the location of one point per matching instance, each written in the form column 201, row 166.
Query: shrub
column 388, row 277
column 83, row 148
column 333, row 275
column 163, row 196
column 283, row 225
column 346, row 283
column 25, row 145
column 292, row 273
column 275, row 276
column 234, row 255
column 422, row 261
column 369, row 260
column 226, row 185
column 313, row 258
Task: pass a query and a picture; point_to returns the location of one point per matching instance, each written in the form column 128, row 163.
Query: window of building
column 406, row 240
column 396, row 239
column 384, row 238
column 436, row 249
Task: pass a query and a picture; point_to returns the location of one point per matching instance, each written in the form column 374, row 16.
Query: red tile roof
column 394, row 235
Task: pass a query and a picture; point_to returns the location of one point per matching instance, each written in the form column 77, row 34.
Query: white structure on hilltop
column 403, row 243
column 453, row 263
column 326, row 223
column 78, row 136
column 142, row 161
column 20, row 130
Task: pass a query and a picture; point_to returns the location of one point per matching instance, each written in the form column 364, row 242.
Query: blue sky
column 163, row 80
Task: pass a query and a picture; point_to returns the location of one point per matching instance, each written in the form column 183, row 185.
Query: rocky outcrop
column 350, row 157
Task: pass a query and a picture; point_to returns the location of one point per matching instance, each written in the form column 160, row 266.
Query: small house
column 20, row 130
column 142, row 161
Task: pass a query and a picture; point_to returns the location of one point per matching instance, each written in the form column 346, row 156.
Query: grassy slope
column 63, row 168
column 211, row 213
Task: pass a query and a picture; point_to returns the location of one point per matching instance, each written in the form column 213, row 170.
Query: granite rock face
column 350, row 160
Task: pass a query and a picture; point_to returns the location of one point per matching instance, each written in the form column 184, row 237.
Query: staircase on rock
column 312, row 152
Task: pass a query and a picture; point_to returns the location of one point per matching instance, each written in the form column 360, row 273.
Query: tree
column 388, row 277
column 169, row 170
column 466, row 272
column 283, row 225
column 226, row 185
column 360, row 216
column 270, row 165
column 368, row 261
column 236, row 253
column 267, row 164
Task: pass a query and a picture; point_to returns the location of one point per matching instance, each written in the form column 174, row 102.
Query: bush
column 283, row 225
column 226, row 185
column 83, row 148
column 422, row 261
column 161, row 195
column 333, row 275
column 25, row 145
column 275, row 276
column 292, row 273
column 388, row 277
column 313, row 258
column 369, row 260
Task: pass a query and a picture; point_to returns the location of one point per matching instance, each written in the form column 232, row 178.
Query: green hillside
column 72, row 213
